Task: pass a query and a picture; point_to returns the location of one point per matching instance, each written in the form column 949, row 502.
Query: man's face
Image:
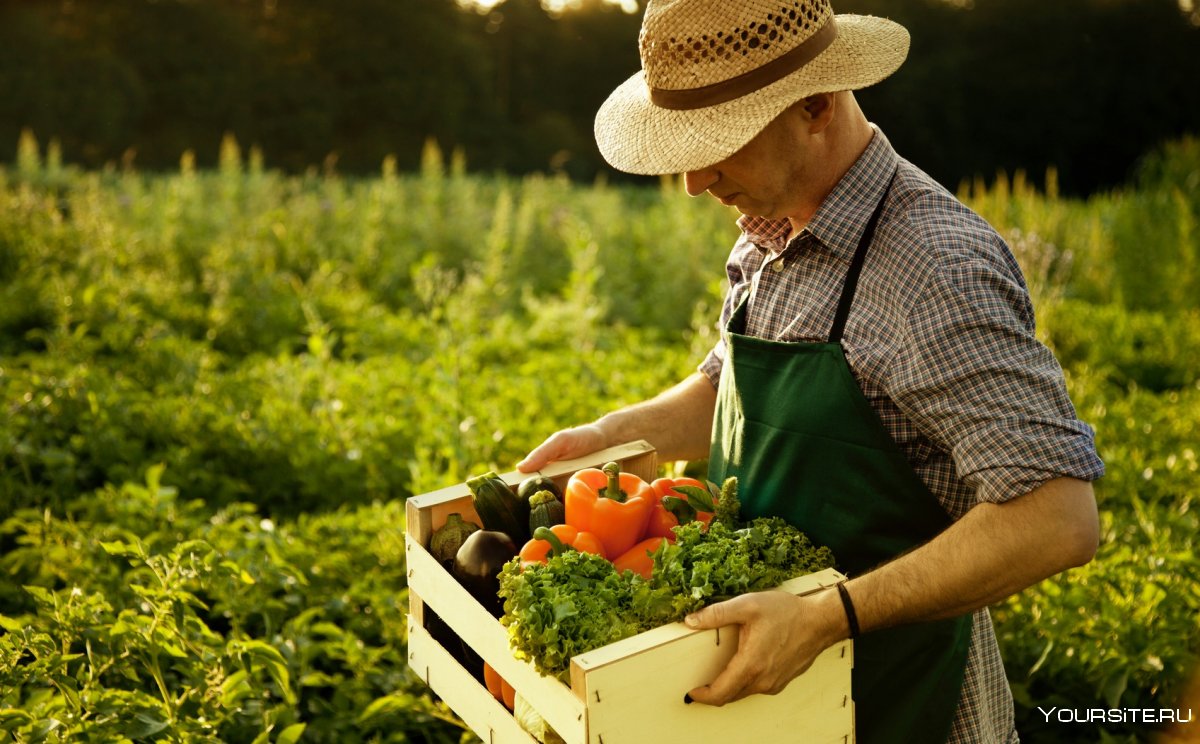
column 765, row 178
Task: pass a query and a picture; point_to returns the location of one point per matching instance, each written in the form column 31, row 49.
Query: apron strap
column 856, row 264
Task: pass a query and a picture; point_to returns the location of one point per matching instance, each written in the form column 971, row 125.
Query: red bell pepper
column 638, row 558
column 558, row 539
column 612, row 505
column 672, row 507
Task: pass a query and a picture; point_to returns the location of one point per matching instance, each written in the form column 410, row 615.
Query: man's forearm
column 678, row 422
column 991, row 553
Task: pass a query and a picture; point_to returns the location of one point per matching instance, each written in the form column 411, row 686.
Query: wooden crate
column 626, row 692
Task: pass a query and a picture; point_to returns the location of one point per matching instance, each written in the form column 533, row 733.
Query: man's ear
column 818, row 111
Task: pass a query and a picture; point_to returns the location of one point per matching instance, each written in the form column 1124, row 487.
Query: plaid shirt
column 941, row 339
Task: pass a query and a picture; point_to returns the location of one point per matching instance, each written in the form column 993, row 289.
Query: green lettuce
column 577, row 602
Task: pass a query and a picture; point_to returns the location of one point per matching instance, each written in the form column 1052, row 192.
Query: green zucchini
column 545, row 510
column 500, row 509
column 535, row 483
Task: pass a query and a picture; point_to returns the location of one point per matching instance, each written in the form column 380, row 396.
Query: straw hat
column 715, row 72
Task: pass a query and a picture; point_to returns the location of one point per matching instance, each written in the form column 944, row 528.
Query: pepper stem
column 613, row 489
column 557, row 547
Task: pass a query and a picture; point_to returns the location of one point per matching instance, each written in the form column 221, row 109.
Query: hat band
column 682, row 99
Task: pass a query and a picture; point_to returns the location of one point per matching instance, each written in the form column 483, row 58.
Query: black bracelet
column 850, row 615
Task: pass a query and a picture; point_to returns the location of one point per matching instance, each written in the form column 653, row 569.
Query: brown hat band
column 681, row 99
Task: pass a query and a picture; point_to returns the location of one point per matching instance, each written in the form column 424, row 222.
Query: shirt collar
column 842, row 217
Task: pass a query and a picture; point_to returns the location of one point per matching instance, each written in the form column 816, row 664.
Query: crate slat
column 640, row 699
column 470, row 700
column 561, row 708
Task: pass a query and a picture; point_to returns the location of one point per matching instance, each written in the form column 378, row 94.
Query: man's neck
column 847, row 144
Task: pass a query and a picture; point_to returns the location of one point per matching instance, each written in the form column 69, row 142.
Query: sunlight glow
column 553, row 6
column 1189, row 8
column 1191, row 11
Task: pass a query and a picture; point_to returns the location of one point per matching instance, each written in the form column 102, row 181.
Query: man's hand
column 780, row 636
column 564, row 445
column 677, row 422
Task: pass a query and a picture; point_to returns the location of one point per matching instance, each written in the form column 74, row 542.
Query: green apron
column 795, row 428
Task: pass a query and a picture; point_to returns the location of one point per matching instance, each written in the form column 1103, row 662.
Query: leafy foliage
column 141, row 616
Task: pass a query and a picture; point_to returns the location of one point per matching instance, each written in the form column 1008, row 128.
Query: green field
column 220, row 386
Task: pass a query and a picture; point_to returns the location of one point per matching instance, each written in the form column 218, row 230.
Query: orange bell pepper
column 508, row 694
column 638, row 558
column 499, row 687
column 558, row 539
column 491, row 678
column 670, row 505
column 612, row 505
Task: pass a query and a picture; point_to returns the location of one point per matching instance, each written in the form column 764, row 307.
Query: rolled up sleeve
column 737, row 268
column 974, row 379
column 713, row 363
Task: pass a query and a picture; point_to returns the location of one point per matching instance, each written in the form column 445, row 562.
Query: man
column 878, row 382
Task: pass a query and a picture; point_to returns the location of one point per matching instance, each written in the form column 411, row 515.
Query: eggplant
column 477, row 566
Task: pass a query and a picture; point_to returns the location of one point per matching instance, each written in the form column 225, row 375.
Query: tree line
column 1085, row 86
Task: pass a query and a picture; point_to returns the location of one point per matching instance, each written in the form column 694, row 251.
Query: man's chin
column 752, row 210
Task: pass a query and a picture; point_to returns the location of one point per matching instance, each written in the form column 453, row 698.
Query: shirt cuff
column 1003, row 462
column 713, row 364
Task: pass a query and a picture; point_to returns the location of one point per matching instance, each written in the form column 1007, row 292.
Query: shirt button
column 777, row 266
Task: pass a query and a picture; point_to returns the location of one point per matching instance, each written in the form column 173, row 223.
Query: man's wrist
column 605, row 430
column 848, row 606
column 835, row 627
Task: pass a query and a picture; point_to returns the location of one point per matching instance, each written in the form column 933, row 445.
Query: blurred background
column 1085, row 86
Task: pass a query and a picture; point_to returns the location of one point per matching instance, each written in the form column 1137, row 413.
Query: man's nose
column 698, row 181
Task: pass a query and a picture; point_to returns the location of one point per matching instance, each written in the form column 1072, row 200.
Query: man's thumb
column 713, row 616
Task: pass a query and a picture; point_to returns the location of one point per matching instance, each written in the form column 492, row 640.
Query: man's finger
column 736, row 675
column 563, row 445
column 743, row 668
column 730, row 612
column 730, row 684
column 554, row 448
column 535, row 460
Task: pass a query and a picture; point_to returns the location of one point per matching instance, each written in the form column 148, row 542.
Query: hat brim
column 636, row 136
